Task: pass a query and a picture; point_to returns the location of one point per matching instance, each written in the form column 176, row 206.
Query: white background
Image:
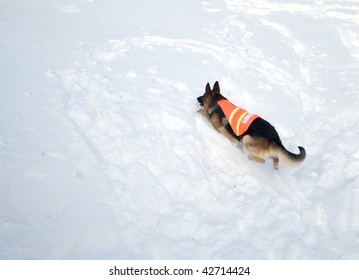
column 103, row 155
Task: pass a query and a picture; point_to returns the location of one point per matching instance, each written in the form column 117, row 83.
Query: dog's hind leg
column 256, row 146
column 275, row 162
column 257, row 159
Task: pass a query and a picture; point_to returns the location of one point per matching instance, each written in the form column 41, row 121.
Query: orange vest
column 238, row 118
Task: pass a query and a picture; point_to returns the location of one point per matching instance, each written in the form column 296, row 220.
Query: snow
column 104, row 156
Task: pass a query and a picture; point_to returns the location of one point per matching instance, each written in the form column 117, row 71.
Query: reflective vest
column 238, row 118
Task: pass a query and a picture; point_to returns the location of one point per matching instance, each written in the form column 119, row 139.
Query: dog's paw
column 201, row 111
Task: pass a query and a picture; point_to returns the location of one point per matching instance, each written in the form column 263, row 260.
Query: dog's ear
column 208, row 88
column 216, row 87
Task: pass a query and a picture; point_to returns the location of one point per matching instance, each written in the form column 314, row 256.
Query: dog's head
column 206, row 98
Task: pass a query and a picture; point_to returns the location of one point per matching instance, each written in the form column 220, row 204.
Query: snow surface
column 103, row 155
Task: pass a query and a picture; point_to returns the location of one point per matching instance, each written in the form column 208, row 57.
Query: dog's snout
column 200, row 100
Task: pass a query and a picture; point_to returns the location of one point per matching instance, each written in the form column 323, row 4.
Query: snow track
column 154, row 179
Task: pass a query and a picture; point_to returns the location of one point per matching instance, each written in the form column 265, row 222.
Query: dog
column 258, row 136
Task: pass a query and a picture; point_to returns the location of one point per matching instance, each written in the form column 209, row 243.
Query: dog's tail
column 290, row 158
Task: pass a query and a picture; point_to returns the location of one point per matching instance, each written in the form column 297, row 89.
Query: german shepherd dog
column 259, row 137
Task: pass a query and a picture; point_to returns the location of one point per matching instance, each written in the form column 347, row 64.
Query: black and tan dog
column 258, row 136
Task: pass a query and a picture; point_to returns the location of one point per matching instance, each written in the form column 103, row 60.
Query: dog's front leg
column 224, row 132
column 202, row 112
column 217, row 123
